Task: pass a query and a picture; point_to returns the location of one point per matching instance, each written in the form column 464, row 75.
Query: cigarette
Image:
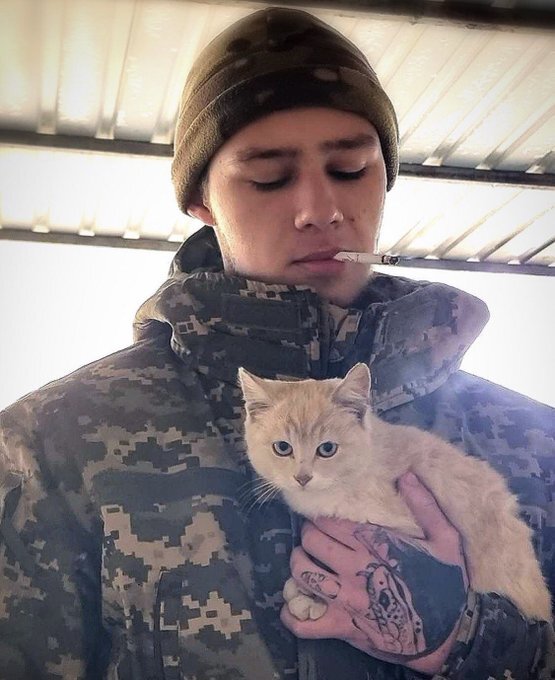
column 366, row 258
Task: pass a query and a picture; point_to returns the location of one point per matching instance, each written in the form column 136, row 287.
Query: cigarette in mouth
column 365, row 258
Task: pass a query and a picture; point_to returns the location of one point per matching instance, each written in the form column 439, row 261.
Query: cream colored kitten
column 318, row 442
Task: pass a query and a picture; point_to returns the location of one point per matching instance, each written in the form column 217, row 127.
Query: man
column 127, row 550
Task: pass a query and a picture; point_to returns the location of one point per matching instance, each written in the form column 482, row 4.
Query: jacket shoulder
column 64, row 424
column 145, row 365
column 471, row 386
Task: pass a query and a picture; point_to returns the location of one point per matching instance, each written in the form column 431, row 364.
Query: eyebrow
column 346, row 143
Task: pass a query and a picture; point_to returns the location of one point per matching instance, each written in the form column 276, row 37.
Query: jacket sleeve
column 496, row 642
column 44, row 615
column 516, row 435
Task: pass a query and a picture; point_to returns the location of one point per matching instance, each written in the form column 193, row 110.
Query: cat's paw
column 304, row 607
column 290, row 590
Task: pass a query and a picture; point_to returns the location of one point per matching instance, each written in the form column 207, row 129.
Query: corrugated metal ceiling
column 467, row 99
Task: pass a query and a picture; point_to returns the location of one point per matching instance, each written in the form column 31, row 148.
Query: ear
column 255, row 393
column 200, row 209
column 353, row 392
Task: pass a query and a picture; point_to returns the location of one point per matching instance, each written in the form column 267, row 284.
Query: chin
column 342, row 293
column 338, row 300
column 341, row 298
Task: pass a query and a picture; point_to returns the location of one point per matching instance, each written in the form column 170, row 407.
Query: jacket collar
column 413, row 335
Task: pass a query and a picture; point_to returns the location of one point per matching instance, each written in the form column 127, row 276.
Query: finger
column 339, row 624
column 313, row 577
column 425, row 509
column 340, row 530
column 326, row 550
column 334, row 624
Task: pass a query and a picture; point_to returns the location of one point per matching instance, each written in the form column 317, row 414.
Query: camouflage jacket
column 125, row 548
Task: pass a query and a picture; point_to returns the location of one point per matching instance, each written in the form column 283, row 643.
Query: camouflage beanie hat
column 272, row 60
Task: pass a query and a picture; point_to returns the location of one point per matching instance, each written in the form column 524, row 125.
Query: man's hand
column 395, row 601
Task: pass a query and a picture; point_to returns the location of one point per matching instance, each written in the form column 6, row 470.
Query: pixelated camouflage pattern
column 127, row 549
column 272, row 60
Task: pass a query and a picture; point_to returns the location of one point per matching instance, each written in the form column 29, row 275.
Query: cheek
column 270, row 466
column 364, row 226
column 324, row 471
column 364, row 213
column 253, row 235
column 284, row 471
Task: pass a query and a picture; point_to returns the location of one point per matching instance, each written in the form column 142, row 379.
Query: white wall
column 63, row 306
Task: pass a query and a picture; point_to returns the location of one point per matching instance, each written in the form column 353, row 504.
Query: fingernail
column 410, row 479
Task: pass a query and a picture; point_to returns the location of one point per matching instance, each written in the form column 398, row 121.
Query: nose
column 317, row 202
column 303, row 478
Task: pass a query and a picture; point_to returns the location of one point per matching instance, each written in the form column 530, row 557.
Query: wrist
column 434, row 662
column 437, row 664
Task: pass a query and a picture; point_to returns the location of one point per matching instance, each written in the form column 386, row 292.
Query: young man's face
column 290, row 190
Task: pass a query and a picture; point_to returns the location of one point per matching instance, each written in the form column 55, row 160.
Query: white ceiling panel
column 100, row 194
column 19, row 71
column 499, row 225
column 539, row 231
column 524, row 107
column 545, row 257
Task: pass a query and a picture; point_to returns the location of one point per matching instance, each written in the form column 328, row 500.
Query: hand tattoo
column 403, row 616
column 392, row 611
column 321, row 584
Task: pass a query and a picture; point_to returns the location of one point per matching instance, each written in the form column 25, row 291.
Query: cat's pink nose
column 303, row 478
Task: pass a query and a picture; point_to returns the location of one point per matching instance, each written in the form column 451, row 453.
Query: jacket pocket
column 204, row 628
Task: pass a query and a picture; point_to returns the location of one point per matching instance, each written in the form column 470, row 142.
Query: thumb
column 424, row 507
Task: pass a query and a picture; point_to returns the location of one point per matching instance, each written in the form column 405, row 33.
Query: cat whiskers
column 259, row 492
column 249, row 489
column 268, row 495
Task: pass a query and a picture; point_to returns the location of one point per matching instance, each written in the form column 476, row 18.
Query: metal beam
column 128, row 147
column 463, row 265
column 13, row 234
column 459, row 174
column 138, row 148
column 462, row 12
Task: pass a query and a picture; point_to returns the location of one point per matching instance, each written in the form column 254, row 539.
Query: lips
column 320, row 255
column 320, row 263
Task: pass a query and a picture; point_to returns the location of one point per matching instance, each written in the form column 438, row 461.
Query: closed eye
column 339, row 175
column 348, row 176
column 270, row 186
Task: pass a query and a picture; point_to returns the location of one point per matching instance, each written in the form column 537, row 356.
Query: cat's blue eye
column 282, row 448
column 326, row 449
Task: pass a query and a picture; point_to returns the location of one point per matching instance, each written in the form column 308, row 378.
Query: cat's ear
column 353, row 392
column 255, row 393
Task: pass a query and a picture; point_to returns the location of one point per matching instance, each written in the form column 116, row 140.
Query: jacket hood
column 412, row 334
